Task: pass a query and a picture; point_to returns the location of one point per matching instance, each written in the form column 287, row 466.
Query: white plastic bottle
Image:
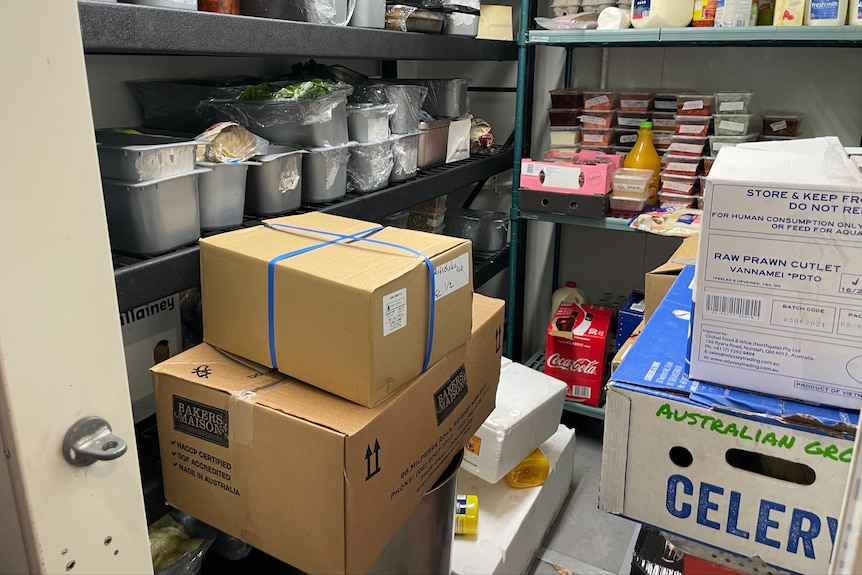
column 569, row 292
column 825, row 12
column 662, row 13
column 854, row 13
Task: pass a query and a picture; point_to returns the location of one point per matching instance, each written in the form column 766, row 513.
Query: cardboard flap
column 685, row 254
column 212, row 368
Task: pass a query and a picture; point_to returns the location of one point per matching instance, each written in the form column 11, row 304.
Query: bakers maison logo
column 202, row 421
column 453, row 392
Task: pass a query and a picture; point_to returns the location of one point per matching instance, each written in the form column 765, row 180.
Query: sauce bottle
column 531, row 472
column 643, row 156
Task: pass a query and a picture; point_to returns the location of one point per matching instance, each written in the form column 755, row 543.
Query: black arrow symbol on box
column 376, row 453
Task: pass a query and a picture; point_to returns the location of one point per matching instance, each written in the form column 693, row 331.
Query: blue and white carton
column 750, row 474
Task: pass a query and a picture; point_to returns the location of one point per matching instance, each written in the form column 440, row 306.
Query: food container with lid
column 408, row 100
column 695, row 104
column 425, row 222
column 369, row 14
column 397, row 220
column 324, row 174
column 564, row 117
column 632, row 119
column 369, row 167
column 733, row 102
column 333, row 12
column 563, row 154
column 687, row 146
column 686, row 185
column 625, row 137
column 221, row 195
column 433, row 142
column 369, row 122
column 692, row 126
column 564, row 137
column 626, row 207
column 600, row 100
column 405, row 157
column 662, row 140
column 154, row 216
column 274, row 184
column 461, row 24
column 707, row 164
column 597, row 136
column 434, row 206
column 601, row 149
column 733, row 124
column 622, row 150
column 678, row 166
column 412, row 19
column 663, row 121
column 566, row 98
column 447, row 97
column 636, row 101
column 671, row 199
column 718, row 142
column 665, row 102
column 140, row 157
column 632, row 182
column 781, row 124
column 488, row 231
column 599, row 118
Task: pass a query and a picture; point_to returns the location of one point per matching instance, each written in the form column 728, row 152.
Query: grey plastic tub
column 405, row 155
column 315, row 11
column 274, row 185
column 324, row 174
column 153, row 217
column 140, row 157
column 369, row 14
column 369, row 167
column 368, row 122
column 332, row 132
column 447, row 98
column 408, row 100
column 221, row 195
column 461, row 24
column 433, row 142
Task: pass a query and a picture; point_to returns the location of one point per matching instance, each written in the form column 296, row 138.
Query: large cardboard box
column 778, row 304
column 312, row 479
column 751, row 474
column 659, row 280
column 349, row 317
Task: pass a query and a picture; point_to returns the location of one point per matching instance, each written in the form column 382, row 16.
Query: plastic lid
column 571, row 284
column 646, row 125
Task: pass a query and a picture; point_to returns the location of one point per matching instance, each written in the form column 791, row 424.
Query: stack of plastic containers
column 630, row 192
column 734, row 122
column 404, row 124
column 565, row 120
column 371, row 159
column 428, row 216
column 599, row 120
column 682, row 162
column 635, row 107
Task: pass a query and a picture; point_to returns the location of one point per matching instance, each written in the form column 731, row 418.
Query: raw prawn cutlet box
column 752, row 474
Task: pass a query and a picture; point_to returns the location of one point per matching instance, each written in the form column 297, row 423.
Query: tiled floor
column 585, row 540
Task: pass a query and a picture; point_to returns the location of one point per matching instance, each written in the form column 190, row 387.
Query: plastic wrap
column 405, row 155
column 174, row 105
column 481, row 136
column 461, row 24
column 369, row 122
column 447, row 97
column 229, row 143
column 325, row 173
column 669, row 222
column 333, row 12
column 408, row 100
column 369, row 167
column 177, row 531
column 230, row 547
column 413, row 19
column 369, row 93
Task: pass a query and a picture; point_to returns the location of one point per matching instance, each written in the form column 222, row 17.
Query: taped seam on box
column 240, row 408
column 615, row 452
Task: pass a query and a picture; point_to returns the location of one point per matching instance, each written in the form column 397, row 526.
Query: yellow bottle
column 531, row 472
column 643, row 156
column 466, row 515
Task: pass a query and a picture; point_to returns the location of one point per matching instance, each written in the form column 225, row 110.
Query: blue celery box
column 751, row 474
column 631, row 315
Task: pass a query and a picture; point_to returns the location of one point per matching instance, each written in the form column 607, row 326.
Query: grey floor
column 584, row 540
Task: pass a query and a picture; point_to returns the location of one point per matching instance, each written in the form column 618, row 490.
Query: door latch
column 91, row 440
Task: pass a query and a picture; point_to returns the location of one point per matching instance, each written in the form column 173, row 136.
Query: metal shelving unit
column 537, row 362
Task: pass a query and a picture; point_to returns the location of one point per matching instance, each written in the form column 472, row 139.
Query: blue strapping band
column 338, row 238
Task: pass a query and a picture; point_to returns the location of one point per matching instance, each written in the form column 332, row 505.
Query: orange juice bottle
column 643, row 156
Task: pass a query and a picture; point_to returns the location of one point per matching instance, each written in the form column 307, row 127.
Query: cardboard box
column 624, row 349
column 151, row 333
column 704, row 462
column 578, row 205
column 566, row 177
column 529, row 406
column 631, row 315
column 659, row 280
column 312, row 479
column 495, row 23
column 575, row 350
column 349, row 318
column 778, row 304
column 513, row 522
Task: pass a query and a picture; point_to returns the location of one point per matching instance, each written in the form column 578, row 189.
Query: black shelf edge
column 486, row 266
column 116, row 28
column 145, row 280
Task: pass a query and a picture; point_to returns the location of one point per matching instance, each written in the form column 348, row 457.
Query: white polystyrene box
column 529, row 406
column 513, row 522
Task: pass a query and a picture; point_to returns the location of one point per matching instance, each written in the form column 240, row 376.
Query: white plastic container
column 825, row 12
column 854, row 13
column 662, row 13
column 569, row 292
column 739, row 13
column 369, row 14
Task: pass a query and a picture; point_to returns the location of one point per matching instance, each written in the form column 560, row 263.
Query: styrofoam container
column 221, row 195
column 405, row 155
column 369, row 14
column 155, row 216
column 461, row 24
column 368, row 122
column 274, row 184
column 140, row 157
column 324, row 174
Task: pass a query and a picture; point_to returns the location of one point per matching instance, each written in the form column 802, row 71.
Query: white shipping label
column 731, row 126
column 693, row 105
column 597, row 101
column 451, row 276
column 595, row 120
column 731, row 106
column 778, row 126
column 691, row 128
column 394, row 311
